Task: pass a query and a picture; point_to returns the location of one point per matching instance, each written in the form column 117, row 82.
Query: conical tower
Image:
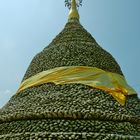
column 74, row 90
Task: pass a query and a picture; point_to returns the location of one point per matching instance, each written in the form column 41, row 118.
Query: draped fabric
column 109, row 82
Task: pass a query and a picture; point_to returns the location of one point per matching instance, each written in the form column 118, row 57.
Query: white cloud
column 7, row 91
column 5, row 95
column 8, row 44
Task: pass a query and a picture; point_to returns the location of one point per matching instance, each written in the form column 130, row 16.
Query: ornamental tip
column 73, row 14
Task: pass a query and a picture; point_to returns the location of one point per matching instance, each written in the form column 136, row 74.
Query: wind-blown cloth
column 113, row 83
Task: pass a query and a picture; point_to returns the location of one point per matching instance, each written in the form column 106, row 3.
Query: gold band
column 112, row 83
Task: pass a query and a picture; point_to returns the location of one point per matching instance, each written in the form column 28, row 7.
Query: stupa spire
column 72, row 5
column 73, row 11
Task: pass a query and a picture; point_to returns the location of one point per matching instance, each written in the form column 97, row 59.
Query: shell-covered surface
column 74, row 46
column 70, row 111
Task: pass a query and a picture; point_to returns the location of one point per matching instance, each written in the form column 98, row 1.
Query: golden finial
column 73, row 11
column 72, row 5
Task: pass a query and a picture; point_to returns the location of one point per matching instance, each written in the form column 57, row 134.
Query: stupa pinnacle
column 72, row 90
column 73, row 14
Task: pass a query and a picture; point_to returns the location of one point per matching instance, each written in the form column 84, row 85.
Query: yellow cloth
column 112, row 83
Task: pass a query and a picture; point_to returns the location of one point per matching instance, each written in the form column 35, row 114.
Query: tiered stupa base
column 70, row 112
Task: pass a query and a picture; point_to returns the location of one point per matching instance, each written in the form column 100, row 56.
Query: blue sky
column 27, row 26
